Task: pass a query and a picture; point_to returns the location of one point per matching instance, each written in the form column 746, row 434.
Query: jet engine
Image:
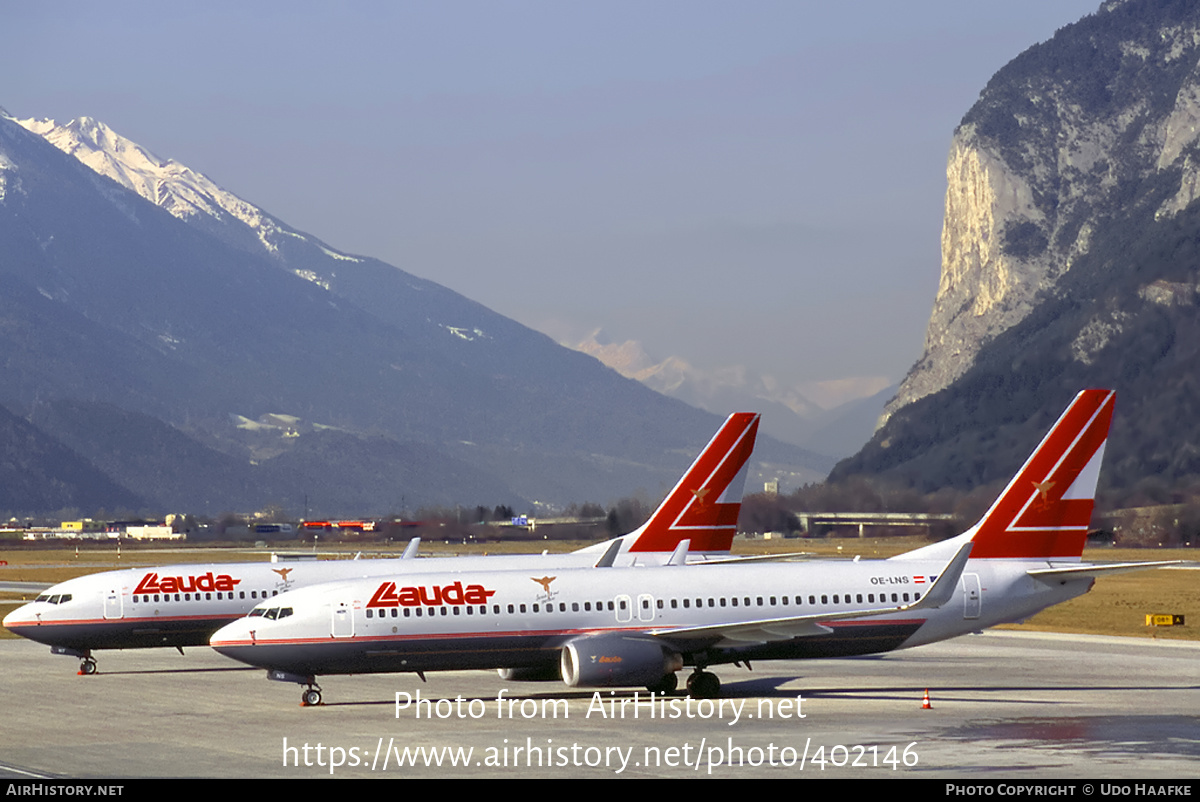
column 617, row 660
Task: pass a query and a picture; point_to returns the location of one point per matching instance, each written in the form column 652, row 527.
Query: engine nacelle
column 529, row 674
column 603, row 661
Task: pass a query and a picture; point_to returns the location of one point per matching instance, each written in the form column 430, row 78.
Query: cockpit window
column 272, row 614
column 43, row 597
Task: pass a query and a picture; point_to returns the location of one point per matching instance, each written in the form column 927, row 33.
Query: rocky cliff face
column 1059, row 141
column 1070, row 258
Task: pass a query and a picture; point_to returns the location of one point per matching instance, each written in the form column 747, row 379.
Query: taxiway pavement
column 1004, row 705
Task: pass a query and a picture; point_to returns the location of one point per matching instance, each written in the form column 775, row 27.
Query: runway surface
column 1004, row 706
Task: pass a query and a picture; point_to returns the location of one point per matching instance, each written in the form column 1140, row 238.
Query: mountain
column 1070, row 258
column 788, row 413
column 39, row 474
column 141, row 287
column 844, row 429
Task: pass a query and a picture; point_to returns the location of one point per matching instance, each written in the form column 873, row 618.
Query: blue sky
column 753, row 184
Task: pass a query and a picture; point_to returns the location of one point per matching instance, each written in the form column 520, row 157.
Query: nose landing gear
column 311, row 696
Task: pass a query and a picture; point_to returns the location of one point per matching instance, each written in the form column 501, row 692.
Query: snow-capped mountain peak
column 183, row 192
column 164, row 182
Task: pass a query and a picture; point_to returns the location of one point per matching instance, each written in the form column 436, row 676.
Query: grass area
column 1117, row 605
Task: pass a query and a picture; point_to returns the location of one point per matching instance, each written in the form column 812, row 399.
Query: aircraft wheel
column 665, row 686
column 87, row 666
column 310, row 698
column 703, row 685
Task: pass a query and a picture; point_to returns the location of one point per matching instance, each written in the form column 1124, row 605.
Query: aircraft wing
column 744, row 633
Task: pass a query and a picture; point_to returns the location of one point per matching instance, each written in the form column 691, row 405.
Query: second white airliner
column 640, row 626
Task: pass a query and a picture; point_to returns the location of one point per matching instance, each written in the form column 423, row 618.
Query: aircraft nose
column 22, row 616
column 233, row 633
column 235, row 640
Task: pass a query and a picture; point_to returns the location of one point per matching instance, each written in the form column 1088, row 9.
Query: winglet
column 705, row 504
column 610, row 555
column 942, row 589
column 410, row 550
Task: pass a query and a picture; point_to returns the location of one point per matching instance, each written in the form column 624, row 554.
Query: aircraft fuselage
column 515, row 621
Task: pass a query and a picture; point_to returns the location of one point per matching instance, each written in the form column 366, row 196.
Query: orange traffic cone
column 926, row 705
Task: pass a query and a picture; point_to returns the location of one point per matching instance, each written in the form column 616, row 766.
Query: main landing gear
column 703, row 685
column 87, row 666
column 311, row 696
column 700, row 685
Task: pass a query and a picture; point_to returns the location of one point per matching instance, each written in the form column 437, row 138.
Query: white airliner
column 641, row 625
column 182, row 605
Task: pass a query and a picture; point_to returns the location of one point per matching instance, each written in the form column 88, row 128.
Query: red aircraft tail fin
column 704, row 506
column 1045, row 511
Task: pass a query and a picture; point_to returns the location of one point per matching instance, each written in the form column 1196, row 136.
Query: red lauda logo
column 388, row 596
column 178, row 584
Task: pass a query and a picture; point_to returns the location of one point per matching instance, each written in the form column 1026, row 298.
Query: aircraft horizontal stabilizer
column 791, row 556
column 1095, row 569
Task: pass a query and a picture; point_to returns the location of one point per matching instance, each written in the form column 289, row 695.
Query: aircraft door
column 972, row 599
column 624, row 609
column 645, row 607
column 343, row 621
column 112, row 605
